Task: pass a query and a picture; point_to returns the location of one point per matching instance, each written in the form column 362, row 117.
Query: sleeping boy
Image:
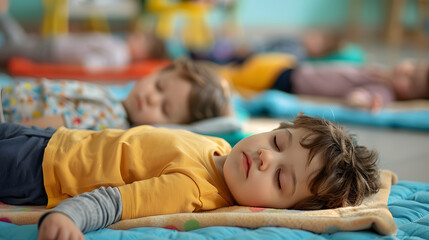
column 186, row 91
column 93, row 179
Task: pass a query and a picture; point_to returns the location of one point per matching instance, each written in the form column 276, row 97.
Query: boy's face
column 409, row 80
column 271, row 169
column 162, row 98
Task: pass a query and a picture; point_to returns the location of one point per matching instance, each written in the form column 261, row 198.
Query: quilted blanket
column 373, row 214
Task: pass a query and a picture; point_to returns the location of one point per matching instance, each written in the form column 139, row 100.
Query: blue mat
column 408, row 202
column 277, row 104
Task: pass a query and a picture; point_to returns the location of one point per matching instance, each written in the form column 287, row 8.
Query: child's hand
column 59, row 226
column 364, row 100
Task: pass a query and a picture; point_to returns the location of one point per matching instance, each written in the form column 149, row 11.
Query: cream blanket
column 371, row 214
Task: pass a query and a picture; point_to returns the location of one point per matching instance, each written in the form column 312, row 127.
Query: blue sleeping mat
column 277, row 104
column 408, row 203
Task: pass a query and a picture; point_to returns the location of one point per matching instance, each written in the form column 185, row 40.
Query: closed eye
column 275, row 143
column 158, row 85
column 278, row 178
column 165, row 109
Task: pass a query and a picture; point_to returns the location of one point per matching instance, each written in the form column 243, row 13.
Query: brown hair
column 349, row 173
column 210, row 94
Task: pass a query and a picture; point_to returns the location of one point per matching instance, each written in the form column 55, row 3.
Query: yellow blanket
column 371, row 214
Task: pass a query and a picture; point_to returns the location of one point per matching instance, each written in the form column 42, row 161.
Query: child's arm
column 365, row 100
column 370, row 96
column 54, row 121
column 59, row 226
column 83, row 213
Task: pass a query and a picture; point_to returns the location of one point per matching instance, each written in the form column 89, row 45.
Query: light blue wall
column 315, row 13
column 26, row 10
column 293, row 13
column 270, row 13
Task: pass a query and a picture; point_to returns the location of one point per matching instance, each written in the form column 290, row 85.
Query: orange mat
column 21, row 67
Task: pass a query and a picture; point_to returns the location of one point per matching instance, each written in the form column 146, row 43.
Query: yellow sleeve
column 259, row 72
column 169, row 193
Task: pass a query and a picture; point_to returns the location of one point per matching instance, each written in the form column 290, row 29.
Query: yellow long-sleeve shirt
column 157, row 171
column 259, row 72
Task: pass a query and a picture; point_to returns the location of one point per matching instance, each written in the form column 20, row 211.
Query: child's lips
column 247, row 163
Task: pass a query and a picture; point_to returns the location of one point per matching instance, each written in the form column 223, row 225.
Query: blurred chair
column 55, row 19
column 57, row 14
column 394, row 24
column 395, row 27
column 196, row 33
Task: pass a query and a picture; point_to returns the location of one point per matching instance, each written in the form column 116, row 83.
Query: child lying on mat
column 360, row 87
column 314, row 45
column 145, row 171
column 182, row 93
column 94, row 51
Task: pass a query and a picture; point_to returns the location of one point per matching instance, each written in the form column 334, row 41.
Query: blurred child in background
column 183, row 92
column 313, row 45
column 366, row 87
column 94, row 51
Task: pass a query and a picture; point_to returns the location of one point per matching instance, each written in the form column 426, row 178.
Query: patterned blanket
column 371, row 214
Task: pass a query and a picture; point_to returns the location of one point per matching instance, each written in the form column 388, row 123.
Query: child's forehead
column 280, row 129
column 174, row 70
column 303, row 132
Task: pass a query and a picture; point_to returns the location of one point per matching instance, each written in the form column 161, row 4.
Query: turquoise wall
column 269, row 13
column 26, row 10
column 278, row 13
column 315, row 13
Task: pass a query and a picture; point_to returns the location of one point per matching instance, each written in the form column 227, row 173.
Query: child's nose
column 153, row 98
column 267, row 159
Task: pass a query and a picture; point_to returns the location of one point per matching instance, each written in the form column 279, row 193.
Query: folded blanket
column 371, row 214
